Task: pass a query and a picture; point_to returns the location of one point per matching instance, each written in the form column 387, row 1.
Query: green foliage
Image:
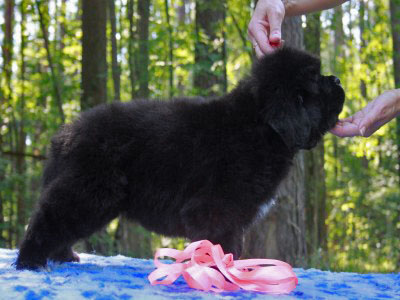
column 362, row 174
column 362, row 183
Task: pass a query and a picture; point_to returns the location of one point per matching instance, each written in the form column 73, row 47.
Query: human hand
column 368, row 120
column 265, row 26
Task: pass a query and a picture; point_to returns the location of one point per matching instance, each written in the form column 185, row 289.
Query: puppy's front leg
column 206, row 220
column 64, row 254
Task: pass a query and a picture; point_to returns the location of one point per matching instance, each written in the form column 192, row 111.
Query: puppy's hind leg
column 70, row 209
column 39, row 240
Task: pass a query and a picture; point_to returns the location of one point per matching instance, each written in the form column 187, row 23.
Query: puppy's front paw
column 33, row 265
column 65, row 255
column 75, row 257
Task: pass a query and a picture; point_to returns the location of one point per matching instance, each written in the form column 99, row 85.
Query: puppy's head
column 299, row 103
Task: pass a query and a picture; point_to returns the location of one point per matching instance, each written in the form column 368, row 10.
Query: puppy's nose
column 336, row 80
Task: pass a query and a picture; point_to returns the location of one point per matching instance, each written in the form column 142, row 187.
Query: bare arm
column 265, row 25
column 368, row 120
column 299, row 7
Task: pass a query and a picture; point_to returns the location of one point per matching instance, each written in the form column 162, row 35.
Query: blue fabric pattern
column 120, row 277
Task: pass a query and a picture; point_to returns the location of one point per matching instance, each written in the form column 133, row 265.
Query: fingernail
column 275, row 44
column 362, row 131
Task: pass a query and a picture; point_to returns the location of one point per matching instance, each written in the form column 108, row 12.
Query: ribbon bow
column 205, row 267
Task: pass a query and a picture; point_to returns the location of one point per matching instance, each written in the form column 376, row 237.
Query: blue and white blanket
column 120, row 277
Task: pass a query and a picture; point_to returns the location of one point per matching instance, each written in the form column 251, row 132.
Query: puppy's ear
column 292, row 124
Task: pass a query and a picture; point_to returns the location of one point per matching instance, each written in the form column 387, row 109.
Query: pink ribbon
column 204, row 265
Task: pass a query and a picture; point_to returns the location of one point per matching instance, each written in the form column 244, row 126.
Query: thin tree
column 209, row 72
column 143, row 53
column 7, row 47
column 131, row 49
column 395, row 24
column 315, row 173
column 282, row 233
column 94, row 53
column 21, row 134
column 129, row 239
column 363, row 85
column 338, row 42
column 170, row 50
column 115, row 66
column 44, row 20
column 242, row 33
column 94, row 79
column 61, row 43
column 132, row 239
column 5, row 101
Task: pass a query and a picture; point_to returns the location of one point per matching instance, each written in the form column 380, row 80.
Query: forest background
column 340, row 208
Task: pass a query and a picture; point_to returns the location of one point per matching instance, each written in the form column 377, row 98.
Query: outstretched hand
column 368, row 120
column 265, row 26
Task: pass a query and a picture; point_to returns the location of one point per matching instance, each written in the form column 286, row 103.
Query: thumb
column 367, row 125
column 275, row 19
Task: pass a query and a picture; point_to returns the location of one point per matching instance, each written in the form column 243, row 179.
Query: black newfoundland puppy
column 196, row 168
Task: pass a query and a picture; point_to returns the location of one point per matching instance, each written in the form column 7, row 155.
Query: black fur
column 199, row 168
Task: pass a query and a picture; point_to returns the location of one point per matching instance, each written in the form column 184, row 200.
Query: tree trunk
column 61, row 42
column 395, row 22
column 363, row 86
column 182, row 11
column 114, row 52
column 242, row 34
column 21, row 135
column 281, row 234
column 44, row 20
column 131, row 50
column 312, row 34
column 224, row 55
column 143, row 54
column 6, row 88
column 94, row 81
column 170, row 50
column 315, row 173
column 2, row 223
column 94, row 53
column 209, row 73
column 132, row 239
column 2, row 205
column 8, row 44
column 336, row 68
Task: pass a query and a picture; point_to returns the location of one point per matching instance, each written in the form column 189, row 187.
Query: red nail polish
column 275, row 44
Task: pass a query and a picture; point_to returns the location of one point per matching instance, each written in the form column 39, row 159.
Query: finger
column 342, row 122
column 258, row 51
column 261, row 36
column 275, row 18
column 256, row 47
column 368, row 126
column 345, row 129
column 380, row 113
column 258, row 30
column 348, row 119
column 370, row 123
